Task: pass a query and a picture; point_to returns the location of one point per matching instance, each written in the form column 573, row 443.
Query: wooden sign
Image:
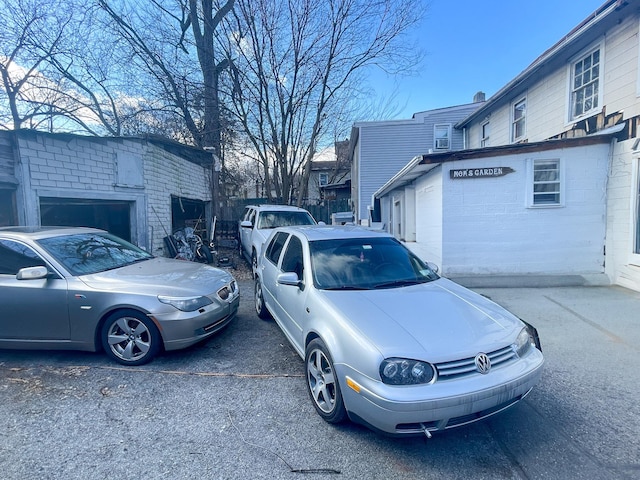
column 487, row 172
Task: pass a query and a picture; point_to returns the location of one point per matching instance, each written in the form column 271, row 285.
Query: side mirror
column 246, row 224
column 433, row 266
column 32, row 273
column 289, row 278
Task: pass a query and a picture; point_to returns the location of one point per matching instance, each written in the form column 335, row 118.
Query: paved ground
column 235, row 408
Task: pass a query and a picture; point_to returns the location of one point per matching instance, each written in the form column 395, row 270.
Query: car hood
column 436, row 321
column 161, row 276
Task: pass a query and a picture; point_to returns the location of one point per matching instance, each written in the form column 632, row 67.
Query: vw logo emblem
column 483, row 364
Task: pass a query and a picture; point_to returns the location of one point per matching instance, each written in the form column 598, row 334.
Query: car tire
column 254, row 262
column 130, row 338
column 258, row 296
column 322, row 383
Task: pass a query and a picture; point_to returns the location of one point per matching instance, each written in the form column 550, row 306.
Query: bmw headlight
column 402, row 371
column 523, row 342
column 186, row 304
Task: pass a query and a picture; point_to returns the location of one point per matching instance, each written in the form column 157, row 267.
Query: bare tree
column 297, row 68
column 58, row 71
column 175, row 42
column 25, row 49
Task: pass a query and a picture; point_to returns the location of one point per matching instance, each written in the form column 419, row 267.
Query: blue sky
column 479, row 45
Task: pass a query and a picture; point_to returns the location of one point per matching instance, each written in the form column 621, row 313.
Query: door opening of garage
column 7, row 207
column 113, row 216
column 186, row 212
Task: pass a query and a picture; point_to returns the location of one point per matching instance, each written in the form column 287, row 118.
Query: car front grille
column 227, row 291
column 467, row 366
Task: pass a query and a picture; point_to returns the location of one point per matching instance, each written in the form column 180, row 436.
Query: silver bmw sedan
column 85, row 289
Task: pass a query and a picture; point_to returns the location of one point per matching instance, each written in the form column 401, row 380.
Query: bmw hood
column 435, row 321
column 161, row 276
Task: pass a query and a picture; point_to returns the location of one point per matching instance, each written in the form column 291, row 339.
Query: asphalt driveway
column 235, row 407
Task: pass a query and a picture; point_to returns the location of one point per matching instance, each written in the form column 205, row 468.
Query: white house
column 488, row 211
column 567, row 128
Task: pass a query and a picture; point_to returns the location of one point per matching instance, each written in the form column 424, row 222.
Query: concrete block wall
column 166, row 175
column 87, row 168
column 489, row 228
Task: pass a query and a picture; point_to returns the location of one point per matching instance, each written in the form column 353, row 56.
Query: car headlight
column 186, row 304
column 402, row 371
column 523, row 342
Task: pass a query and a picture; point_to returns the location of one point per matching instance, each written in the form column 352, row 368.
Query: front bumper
column 420, row 409
column 189, row 328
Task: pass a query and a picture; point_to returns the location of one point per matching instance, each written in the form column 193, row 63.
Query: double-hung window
column 486, row 132
column 518, row 120
column 585, row 84
column 546, row 182
column 323, row 179
column 442, row 136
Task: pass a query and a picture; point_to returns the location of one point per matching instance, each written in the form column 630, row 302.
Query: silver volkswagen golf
column 386, row 341
column 85, row 289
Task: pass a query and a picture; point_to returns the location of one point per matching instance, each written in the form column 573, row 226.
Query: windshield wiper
column 400, row 283
column 347, row 287
column 137, row 260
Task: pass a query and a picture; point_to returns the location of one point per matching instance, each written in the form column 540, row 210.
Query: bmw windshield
column 366, row 263
column 88, row 253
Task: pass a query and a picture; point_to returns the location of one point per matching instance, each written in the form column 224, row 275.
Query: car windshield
column 366, row 263
column 284, row 219
column 87, row 253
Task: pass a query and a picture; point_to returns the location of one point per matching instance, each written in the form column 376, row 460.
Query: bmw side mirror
column 32, row 273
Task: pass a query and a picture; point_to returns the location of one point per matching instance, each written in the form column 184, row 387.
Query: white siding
column 622, row 265
column 547, row 97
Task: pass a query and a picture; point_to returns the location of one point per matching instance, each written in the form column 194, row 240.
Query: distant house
column 378, row 150
column 330, row 177
column 549, row 181
column 138, row 188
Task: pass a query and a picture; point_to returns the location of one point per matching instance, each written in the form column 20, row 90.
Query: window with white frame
column 518, row 120
column 485, row 132
column 585, row 84
column 323, row 179
column 546, row 182
column 442, row 135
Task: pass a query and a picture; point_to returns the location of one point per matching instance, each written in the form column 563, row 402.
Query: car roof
column 36, row 232
column 334, row 232
column 289, row 208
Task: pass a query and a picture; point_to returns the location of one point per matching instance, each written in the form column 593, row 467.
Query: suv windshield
column 366, row 263
column 284, row 219
column 87, row 253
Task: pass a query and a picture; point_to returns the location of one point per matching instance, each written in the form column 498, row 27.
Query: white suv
column 257, row 222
